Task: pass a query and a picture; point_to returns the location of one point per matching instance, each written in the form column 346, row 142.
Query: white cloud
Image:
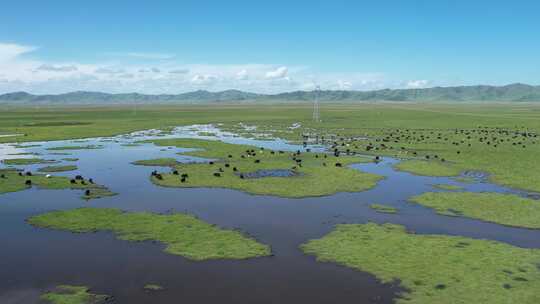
column 203, row 79
column 106, row 70
column 417, row 84
column 278, row 73
column 344, row 85
column 57, row 68
column 10, row 51
column 179, row 71
column 242, row 75
column 24, row 73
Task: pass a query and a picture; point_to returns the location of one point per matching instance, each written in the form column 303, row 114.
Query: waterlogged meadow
column 417, row 204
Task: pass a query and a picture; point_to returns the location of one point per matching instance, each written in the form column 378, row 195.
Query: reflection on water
column 32, row 259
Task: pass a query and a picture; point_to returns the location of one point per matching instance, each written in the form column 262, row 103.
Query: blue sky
column 265, row 46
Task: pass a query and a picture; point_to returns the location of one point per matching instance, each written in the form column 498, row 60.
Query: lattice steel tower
column 316, row 113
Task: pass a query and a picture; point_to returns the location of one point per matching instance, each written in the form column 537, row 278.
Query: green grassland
column 505, row 209
column 66, row 294
column 435, row 268
column 58, row 168
column 383, row 208
column 503, row 137
column 11, row 181
column 311, row 177
column 182, row 234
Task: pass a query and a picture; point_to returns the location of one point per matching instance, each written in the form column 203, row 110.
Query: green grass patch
column 67, row 294
column 27, row 161
column 159, row 162
column 87, row 147
column 448, row 187
column 11, row 181
column 383, row 208
column 316, row 176
column 505, row 209
column 435, row 268
column 182, row 234
column 70, row 159
column 58, row 168
column 427, row 168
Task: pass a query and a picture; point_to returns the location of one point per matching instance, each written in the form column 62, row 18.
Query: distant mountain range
column 480, row 93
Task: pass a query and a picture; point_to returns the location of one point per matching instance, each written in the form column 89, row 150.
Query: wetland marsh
column 296, row 228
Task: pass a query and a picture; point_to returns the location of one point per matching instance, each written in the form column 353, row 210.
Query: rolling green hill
column 480, row 93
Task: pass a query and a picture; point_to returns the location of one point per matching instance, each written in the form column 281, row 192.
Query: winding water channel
column 33, row 260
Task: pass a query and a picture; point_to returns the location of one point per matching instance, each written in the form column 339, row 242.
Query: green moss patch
column 505, row 209
column 435, row 268
column 314, row 174
column 427, row 168
column 383, row 208
column 67, row 294
column 182, row 234
column 58, row 168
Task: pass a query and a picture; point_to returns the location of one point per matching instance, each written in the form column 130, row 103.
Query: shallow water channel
column 33, row 260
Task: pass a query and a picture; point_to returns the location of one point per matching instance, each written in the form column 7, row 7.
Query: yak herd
column 79, row 179
column 222, row 166
column 396, row 140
